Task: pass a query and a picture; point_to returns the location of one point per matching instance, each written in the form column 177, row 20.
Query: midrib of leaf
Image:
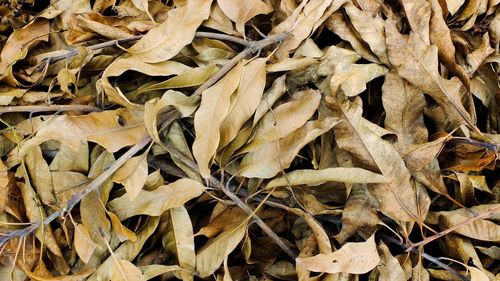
column 391, row 182
column 433, row 77
column 223, row 235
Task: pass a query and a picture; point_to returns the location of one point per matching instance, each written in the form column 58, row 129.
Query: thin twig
column 73, row 52
column 48, row 108
column 224, row 37
column 427, row 257
column 76, row 198
column 429, row 239
column 193, row 166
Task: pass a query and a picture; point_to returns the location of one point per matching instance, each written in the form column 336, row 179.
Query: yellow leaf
column 352, row 78
column 120, row 230
column 126, row 251
column 285, row 118
column 178, row 240
column 417, row 62
column 269, row 159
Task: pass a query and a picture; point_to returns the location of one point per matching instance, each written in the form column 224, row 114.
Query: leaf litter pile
column 249, row 140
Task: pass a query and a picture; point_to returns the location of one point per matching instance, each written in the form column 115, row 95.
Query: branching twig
column 48, row 108
column 76, row 198
column 192, row 165
column 73, row 52
column 429, row 239
column 253, row 48
column 427, row 257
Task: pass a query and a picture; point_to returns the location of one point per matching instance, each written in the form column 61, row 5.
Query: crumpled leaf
column 352, row 78
column 166, row 40
column 304, row 20
column 396, row 199
column 353, row 257
column 242, row 11
column 112, row 129
column 417, row 62
column 154, row 203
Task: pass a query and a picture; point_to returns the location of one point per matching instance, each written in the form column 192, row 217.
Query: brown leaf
column 417, row 62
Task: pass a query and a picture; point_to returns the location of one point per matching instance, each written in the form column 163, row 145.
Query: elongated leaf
column 112, row 129
column 371, row 30
column 285, row 118
column 166, row 40
column 316, row 177
column 269, row 159
column 214, row 107
column 248, row 96
column 417, row 62
column 154, row 203
column 211, row 256
column 179, row 240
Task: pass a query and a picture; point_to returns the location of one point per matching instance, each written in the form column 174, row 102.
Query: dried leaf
column 248, row 96
column 241, row 12
column 132, row 175
column 269, row 159
column 179, row 240
column 126, row 126
column 83, row 243
column 353, row 257
column 154, row 203
column 352, row 78
column 211, row 256
column 417, row 62
column 317, row 177
column 214, row 107
column 166, row 40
